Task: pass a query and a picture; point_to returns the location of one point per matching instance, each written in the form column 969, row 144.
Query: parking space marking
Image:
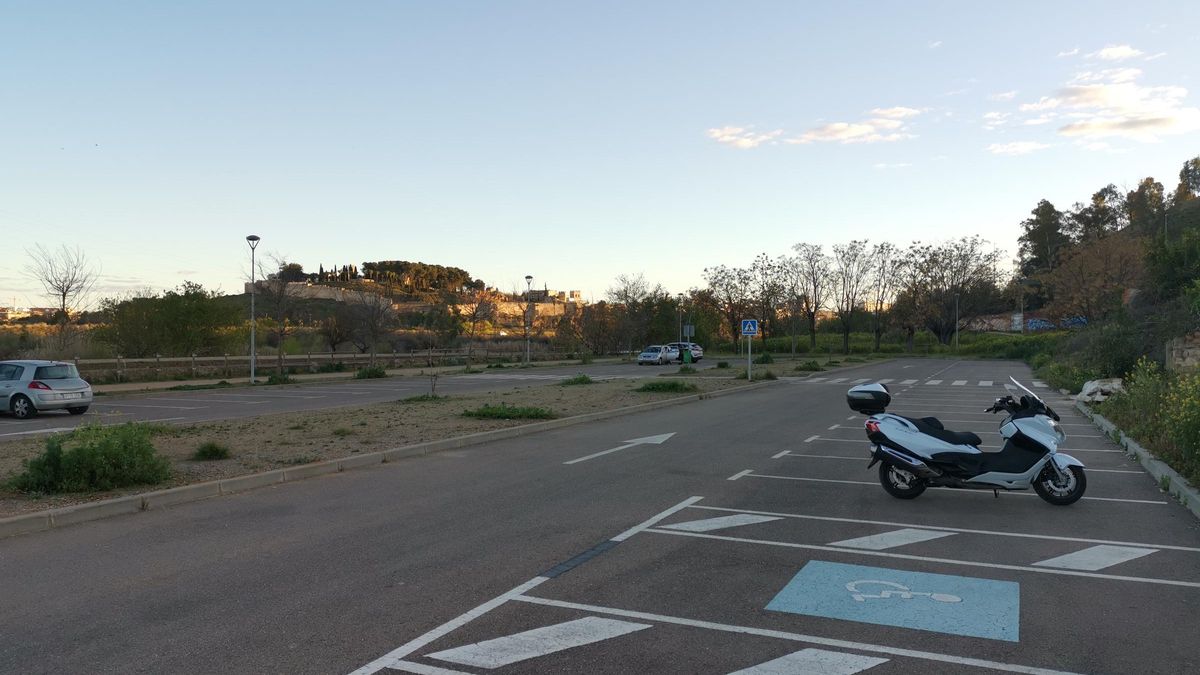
column 860, row 381
column 958, row 383
column 810, row 439
column 942, row 603
column 962, row 530
column 933, row 382
column 422, row 669
column 985, row 383
column 795, row 637
column 886, row 540
column 657, row 519
column 942, row 490
column 275, row 395
column 779, row 454
column 1097, row 557
column 720, row 522
column 817, row 379
column 203, row 400
column 909, row 382
column 537, row 642
column 739, row 474
column 840, row 379
column 160, row 407
column 1040, row 384
column 814, row 661
column 885, row 380
column 931, row 559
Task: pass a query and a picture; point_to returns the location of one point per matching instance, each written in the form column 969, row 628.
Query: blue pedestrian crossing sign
column 749, row 326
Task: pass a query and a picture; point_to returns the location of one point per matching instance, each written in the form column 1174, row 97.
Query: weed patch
column 370, row 373
column 94, row 458
column 578, row 379
column 668, row 386
column 209, row 451
column 508, row 412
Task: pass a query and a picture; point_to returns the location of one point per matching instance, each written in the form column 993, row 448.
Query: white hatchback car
column 29, row 387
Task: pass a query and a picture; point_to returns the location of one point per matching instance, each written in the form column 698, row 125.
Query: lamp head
column 252, row 240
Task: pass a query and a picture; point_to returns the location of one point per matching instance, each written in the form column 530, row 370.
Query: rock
column 1099, row 390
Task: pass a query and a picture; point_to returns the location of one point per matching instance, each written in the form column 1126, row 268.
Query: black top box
column 869, row 399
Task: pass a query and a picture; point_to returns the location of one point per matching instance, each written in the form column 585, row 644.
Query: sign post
column 749, row 329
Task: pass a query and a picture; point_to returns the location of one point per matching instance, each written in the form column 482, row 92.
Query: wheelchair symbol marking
column 894, row 590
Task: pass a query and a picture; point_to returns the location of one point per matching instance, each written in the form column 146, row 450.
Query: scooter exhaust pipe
column 908, row 463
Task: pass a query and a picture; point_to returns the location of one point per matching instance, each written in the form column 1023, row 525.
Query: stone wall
column 1183, row 354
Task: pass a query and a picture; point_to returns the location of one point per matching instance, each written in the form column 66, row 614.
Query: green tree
column 292, row 272
column 1043, row 238
column 1146, row 207
column 1103, row 215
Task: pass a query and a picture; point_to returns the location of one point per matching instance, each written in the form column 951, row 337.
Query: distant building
column 42, row 312
column 6, row 313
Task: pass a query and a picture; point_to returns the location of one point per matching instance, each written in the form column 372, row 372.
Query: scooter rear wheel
column 1059, row 492
column 899, row 483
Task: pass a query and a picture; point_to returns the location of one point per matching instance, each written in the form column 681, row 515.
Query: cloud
column 1110, row 103
column 1155, row 57
column 895, row 113
column 897, row 165
column 1003, row 96
column 1116, row 53
column 1043, row 119
column 935, row 44
column 1073, row 52
column 743, row 137
column 994, row 120
column 1016, row 148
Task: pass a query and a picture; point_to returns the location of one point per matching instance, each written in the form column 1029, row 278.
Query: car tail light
column 39, row 385
column 872, row 427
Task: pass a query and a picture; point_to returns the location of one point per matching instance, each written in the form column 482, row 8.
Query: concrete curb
column 1166, row 477
column 79, row 513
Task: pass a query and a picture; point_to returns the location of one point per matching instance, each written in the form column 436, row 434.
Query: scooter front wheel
column 1061, row 491
column 899, row 483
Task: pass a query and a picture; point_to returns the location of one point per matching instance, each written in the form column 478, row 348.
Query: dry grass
column 276, row 441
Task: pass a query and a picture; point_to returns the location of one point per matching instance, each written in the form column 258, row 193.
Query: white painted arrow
column 655, row 440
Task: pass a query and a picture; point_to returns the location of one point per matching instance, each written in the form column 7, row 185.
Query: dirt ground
column 275, row 441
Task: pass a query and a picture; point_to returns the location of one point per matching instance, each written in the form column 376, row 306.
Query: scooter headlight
column 1058, row 431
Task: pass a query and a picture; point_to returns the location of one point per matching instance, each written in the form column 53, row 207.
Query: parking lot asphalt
column 203, row 405
column 753, row 540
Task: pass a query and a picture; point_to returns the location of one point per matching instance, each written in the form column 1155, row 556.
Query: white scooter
column 914, row 454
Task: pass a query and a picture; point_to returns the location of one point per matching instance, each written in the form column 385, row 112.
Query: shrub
column 810, row 366
column 722, row 364
column 585, row 358
column 94, row 457
column 508, row 412
column 210, row 450
column 687, row 370
column 668, row 386
column 578, row 379
column 370, row 373
column 342, row 431
column 1182, row 415
column 331, row 367
column 276, row 378
column 424, row 398
column 765, row 357
column 1067, row 376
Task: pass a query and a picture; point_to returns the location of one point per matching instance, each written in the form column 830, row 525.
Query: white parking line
column 985, row 383
column 840, row 379
column 810, row 439
column 984, row 492
column 885, row 381
column 422, row 669
column 909, row 382
column 531, row 644
column 270, row 394
column 860, row 381
column 963, row 530
column 817, row 379
column 958, row 383
column 780, row 454
column 886, row 540
column 203, row 400
column 135, row 405
column 814, row 661
column 933, row 382
column 864, row 441
column 923, row 558
column 1096, row 557
column 795, row 637
column 739, row 474
column 719, row 523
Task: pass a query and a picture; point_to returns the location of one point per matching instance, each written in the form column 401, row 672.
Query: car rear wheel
column 22, row 408
column 77, row 410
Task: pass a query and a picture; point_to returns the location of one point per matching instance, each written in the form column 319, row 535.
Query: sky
column 573, row 142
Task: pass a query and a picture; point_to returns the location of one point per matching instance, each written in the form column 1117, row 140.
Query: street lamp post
column 253, row 241
column 679, row 311
column 956, row 322
column 528, row 313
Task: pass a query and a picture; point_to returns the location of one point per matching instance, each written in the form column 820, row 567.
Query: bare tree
column 884, row 262
column 337, row 328
column 627, row 294
column 815, row 281
column 67, row 276
column 278, row 305
column 479, row 310
column 729, row 288
column 374, row 318
column 850, row 272
column 767, row 292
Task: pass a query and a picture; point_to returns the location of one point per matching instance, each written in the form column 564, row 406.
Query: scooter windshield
column 1033, row 396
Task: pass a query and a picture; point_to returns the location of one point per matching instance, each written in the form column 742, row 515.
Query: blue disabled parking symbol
column 943, row 603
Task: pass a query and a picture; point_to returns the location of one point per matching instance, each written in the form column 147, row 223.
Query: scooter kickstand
column 996, row 493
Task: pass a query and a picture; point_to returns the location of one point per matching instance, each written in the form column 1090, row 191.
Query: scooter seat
column 931, row 426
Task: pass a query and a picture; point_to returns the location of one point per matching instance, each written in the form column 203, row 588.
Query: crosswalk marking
column 886, row 540
column 422, row 669
column 510, row 649
column 985, row 383
column 885, row 380
column 710, row 524
column 814, row 662
column 1096, row 557
column 817, row 379
column 859, row 381
column 958, row 383
column 933, row 382
column 909, row 382
column 840, row 379
column 1040, row 384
